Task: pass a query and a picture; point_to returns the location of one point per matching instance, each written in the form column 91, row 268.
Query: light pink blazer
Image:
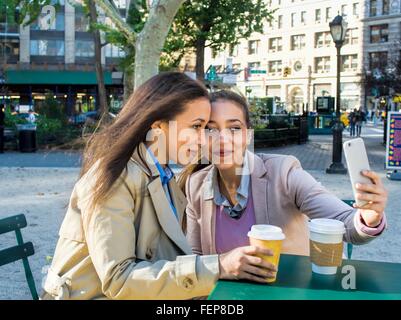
column 284, row 195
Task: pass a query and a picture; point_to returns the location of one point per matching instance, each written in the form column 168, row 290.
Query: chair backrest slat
column 20, row 252
column 12, row 223
column 16, row 253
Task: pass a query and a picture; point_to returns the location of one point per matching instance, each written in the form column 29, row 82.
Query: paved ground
column 41, row 159
column 39, row 185
column 317, row 153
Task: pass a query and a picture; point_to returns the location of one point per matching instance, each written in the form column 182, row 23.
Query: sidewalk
column 317, row 153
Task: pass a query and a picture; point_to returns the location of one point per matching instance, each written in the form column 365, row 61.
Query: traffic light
column 287, row 71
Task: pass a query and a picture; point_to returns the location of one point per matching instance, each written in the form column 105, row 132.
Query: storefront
column 76, row 91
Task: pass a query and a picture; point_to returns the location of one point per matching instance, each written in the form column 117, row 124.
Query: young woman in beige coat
column 121, row 237
column 242, row 188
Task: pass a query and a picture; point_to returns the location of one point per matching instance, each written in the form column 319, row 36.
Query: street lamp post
column 338, row 30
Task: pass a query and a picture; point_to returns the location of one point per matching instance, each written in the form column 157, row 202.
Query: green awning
column 54, row 77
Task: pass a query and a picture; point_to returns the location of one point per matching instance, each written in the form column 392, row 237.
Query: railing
column 282, row 129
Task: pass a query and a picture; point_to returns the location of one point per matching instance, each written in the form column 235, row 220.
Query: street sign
column 212, row 75
column 393, row 149
column 255, row 71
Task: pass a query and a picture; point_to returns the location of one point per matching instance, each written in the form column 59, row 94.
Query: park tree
column 215, row 24
column 197, row 25
column 148, row 37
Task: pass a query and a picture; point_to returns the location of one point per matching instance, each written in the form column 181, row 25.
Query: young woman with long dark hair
column 121, row 237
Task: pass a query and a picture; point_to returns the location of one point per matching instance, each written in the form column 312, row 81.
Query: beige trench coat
column 133, row 246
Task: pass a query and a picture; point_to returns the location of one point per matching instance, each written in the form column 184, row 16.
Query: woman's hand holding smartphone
column 369, row 192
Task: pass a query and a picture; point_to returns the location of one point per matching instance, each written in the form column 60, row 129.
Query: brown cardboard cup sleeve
column 326, row 254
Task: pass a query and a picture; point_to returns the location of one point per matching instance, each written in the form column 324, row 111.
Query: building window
column 373, row 8
column 275, row 44
column 112, row 51
column 378, row 60
column 81, row 22
column 351, row 37
column 355, row 9
column 233, row 50
column 47, row 47
column 322, row 65
column 303, row 17
column 253, row 46
column 298, row 42
column 385, row 7
column 328, row 14
column 253, row 65
column 121, row 4
column 275, row 67
column 84, row 48
column 280, row 22
column 322, row 39
column 42, row 23
column 344, row 8
column 349, row 63
column 379, row 33
column 318, row 15
column 293, row 17
column 9, row 49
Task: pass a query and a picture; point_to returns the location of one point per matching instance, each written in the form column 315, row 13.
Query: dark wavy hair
column 161, row 98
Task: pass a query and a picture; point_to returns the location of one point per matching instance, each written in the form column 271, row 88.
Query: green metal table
column 295, row 281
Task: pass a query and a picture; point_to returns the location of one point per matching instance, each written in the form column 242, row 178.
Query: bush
column 48, row 130
column 11, row 120
column 52, row 109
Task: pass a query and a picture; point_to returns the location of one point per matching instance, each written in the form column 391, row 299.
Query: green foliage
column 54, row 132
column 11, row 120
column 217, row 22
column 17, row 10
column 51, row 108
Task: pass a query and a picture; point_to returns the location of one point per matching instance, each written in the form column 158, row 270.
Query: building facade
column 382, row 44
column 295, row 57
column 56, row 54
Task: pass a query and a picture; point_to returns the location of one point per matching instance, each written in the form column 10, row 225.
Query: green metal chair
column 349, row 245
column 21, row 251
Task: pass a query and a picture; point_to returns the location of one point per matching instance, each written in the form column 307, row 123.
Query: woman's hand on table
column 243, row 263
column 376, row 195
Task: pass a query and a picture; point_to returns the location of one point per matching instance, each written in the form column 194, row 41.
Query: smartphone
column 357, row 161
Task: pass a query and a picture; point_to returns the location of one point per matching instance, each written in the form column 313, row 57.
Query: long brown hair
column 222, row 95
column 161, row 98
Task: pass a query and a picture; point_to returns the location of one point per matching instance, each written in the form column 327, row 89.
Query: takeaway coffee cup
column 326, row 245
column 270, row 237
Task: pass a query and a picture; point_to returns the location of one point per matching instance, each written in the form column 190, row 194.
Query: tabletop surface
column 295, row 280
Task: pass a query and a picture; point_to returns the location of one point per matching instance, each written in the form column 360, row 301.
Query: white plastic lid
column 266, row 232
column 327, row 226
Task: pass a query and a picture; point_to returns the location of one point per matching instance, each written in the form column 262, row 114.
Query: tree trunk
column 150, row 41
column 103, row 107
column 200, row 59
column 128, row 84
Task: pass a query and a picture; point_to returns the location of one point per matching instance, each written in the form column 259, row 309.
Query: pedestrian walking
column 359, row 118
column 352, row 121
